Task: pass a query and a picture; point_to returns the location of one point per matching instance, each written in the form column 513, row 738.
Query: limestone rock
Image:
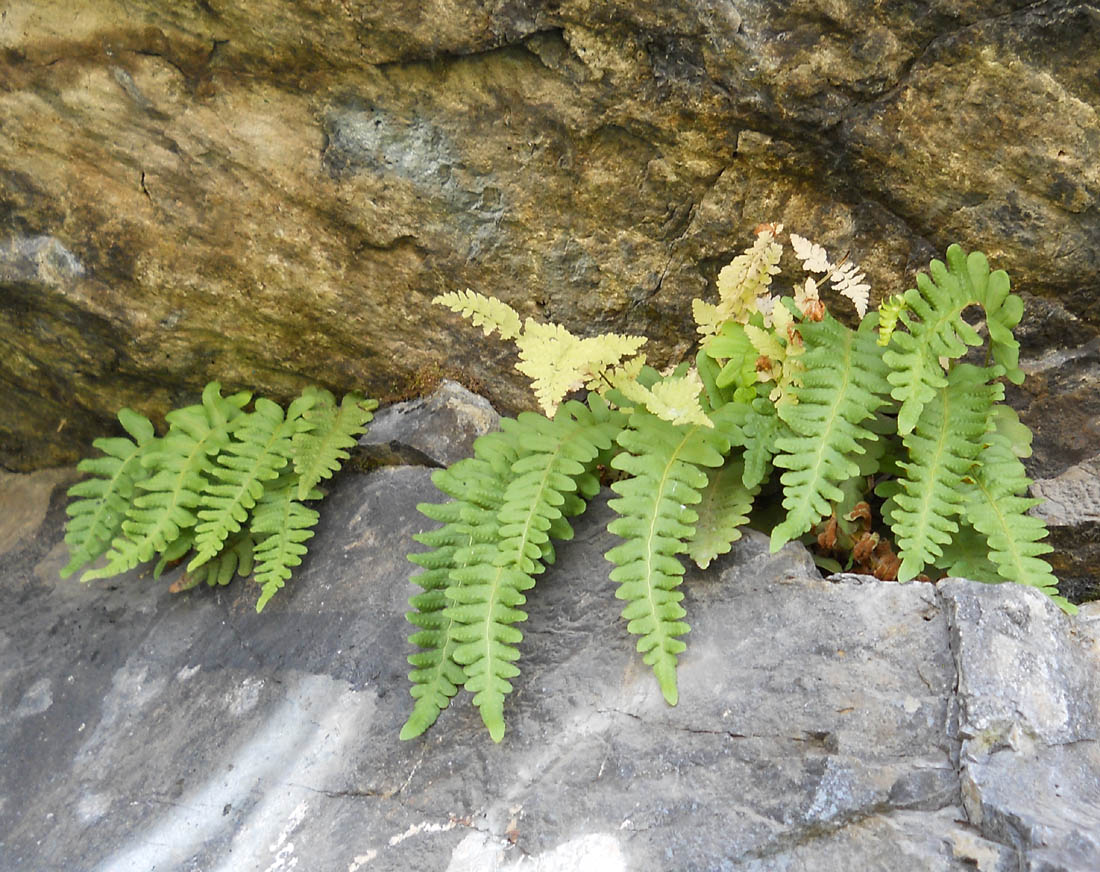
column 845, row 724
column 269, row 193
column 437, row 430
column 1071, row 512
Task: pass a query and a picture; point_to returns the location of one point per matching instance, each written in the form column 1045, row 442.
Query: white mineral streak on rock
column 301, row 742
column 482, row 852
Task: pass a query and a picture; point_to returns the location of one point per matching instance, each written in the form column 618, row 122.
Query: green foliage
column 663, row 460
column 223, row 484
column 843, row 385
column 882, row 435
column 516, row 493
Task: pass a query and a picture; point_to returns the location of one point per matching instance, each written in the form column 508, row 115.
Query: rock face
column 269, row 193
column 823, row 724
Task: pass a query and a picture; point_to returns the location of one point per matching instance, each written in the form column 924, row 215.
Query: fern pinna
column 882, row 437
column 224, row 484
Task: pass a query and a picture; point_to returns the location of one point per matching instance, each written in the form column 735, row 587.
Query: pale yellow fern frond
column 708, row 320
column 743, row 284
column 488, row 313
column 813, row 256
column 614, row 376
column 672, row 399
column 851, row 283
column 557, row 362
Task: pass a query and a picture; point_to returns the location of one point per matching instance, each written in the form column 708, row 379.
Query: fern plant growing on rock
column 225, row 488
column 890, row 454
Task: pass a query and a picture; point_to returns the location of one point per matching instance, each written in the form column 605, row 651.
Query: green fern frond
column 320, row 450
column 437, row 676
column 760, row 428
column 551, row 456
column 176, row 464
column 967, row 555
column 738, row 372
column 664, row 461
column 996, row 508
column 260, row 448
column 935, row 328
column 488, row 313
column 510, row 500
column 99, row 505
column 281, row 526
column 722, row 512
column 1003, row 309
column 942, row 447
column 843, row 385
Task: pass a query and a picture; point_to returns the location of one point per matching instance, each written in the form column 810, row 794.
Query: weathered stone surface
column 845, row 724
column 1029, row 746
column 269, row 193
column 1071, row 512
column 436, row 430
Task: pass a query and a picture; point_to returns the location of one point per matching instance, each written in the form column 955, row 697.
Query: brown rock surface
column 269, row 193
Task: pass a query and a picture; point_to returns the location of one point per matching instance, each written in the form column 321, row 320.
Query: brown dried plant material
column 826, row 539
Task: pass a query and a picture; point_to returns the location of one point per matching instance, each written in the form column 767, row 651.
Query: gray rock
column 1029, row 700
column 437, row 430
column 1071, row 510
column 843, row 724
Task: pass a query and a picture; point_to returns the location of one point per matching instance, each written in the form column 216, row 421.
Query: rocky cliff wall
column 269, row 193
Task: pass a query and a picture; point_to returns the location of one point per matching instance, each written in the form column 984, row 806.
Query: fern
column 99, row 506
column 722, row 512
column 843, row 386
column 936, row 329
column 281, row 524
column 664, row 462
column 941, row 448
column 176, row 466
column 217, row 470
column 777, row 382
column 997, row 510
column 261, row 447
column 477, row 485
column 321, row 446
column 514, row 495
